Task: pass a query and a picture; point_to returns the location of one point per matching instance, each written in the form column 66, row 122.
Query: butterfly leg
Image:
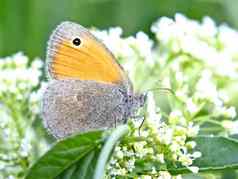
column 141, row 124
column 114, row 114
column 143, row 120
column 115, row 122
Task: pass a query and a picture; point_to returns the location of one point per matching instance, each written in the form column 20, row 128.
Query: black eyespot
column 76, row 41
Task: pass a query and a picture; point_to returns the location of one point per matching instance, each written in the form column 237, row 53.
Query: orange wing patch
column 91, row 60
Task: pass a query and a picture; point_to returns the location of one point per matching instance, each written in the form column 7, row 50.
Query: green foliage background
column 26, row 24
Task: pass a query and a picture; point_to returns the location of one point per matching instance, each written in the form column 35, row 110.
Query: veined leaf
column 64, row 154
column 218, row 153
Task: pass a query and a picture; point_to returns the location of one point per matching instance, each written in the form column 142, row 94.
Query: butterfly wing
column 74, row 53
column 71, row 106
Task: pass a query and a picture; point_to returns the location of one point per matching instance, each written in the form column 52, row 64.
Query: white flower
column 165, row 135
column 4, row 116
column 119, row 154
column 162, row 26
column 20, row 60
column 18, row 79
column 228, row 38
column 193, row 169
column 182, row 93
column 208, row 28
column 181, row 137
column 205, row 87
column 130, row 164
column 37, row 64
column 223, row 96
column 112, row 39
column 177, row 177
column 191, row 144
column 191, row 106
column 176, row 117
column 166, row 82
column 196, row 155
column 152, row 111
column 140, row 148
column 10, row 177
column 230, row 126
column 174, row 147
column 231, row 112
column 160, row 158
column 224, row 111
column 35, row 98
column 192, row 130
column 185, row 160
column 25, row 147
column 146, row 177
column 144, row 46
column 164, row 175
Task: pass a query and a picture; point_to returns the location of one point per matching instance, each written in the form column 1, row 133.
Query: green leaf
column 68, row 173
column 218, row 153
column 65, row 154
column 93, row 164
column 234, row 136
column 83, row 169
column 107, row 149
column 86, row 166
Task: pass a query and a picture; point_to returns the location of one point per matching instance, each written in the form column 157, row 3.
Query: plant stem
column 115, row 136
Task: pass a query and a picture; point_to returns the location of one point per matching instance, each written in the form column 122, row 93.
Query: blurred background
column 25, row 25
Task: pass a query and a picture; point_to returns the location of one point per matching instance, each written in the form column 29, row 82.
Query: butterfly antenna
column 162, row 89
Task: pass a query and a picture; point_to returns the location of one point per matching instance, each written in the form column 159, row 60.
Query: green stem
column 208, row 118
column 134, row 139
column 115, row 136
column 215, row 122
column 211, row 129
column 202, row 118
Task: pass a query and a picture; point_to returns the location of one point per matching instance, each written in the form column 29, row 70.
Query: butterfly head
column 140, row 99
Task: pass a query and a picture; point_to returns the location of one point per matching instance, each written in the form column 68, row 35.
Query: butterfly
column 87, row 89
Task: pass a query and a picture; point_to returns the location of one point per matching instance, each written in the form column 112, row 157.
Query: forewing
column 90, row 60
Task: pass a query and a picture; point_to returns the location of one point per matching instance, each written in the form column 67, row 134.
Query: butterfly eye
column 76, row 41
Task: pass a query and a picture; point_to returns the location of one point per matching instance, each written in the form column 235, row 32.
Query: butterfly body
column 88, row 88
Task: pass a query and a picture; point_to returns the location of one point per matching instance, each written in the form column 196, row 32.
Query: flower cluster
column 19, row 109
column 199, row 63
column 161, row 143
column 203, row 60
